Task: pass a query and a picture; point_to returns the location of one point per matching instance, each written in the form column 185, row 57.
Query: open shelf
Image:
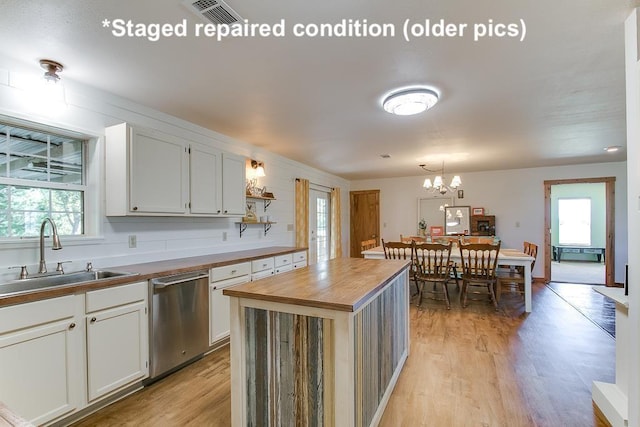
column 244, row 225
column 267, row 200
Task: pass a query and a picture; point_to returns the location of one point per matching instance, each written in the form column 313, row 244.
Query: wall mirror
column 456, row 220
column 429, row 210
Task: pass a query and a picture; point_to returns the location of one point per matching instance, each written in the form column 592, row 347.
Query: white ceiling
column 556, row 98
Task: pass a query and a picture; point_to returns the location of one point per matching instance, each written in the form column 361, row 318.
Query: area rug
column 591, row 304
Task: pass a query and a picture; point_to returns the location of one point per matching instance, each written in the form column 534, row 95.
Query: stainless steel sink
column 35, row 283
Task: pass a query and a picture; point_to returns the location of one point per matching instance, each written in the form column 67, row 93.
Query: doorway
column 364, row 221
column 580, row 233
column 319, row 225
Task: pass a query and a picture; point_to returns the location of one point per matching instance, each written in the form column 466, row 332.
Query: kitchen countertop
column 150, row 270
column 342, row 284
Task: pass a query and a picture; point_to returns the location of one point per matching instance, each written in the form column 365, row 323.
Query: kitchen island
column 322, row 345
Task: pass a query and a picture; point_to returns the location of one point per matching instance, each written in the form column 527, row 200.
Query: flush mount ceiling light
column 52, row 68
column 407, row 102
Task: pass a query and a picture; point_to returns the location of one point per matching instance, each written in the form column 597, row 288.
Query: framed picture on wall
column 250, row 215
column 477, row 211
column 436, row 230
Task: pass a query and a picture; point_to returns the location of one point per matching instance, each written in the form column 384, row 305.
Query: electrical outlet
column 224, row 236
column 133, row 241
column 517, row 224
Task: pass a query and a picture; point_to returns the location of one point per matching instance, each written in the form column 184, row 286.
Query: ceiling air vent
column 213, row 11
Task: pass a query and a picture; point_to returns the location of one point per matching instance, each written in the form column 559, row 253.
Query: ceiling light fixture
column 612, row 149
column 410, row 101
column 438, row 184
column 52, row 68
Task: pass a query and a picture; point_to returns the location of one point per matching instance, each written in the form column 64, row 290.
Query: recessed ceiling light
column 407, row 102
column 612, row 149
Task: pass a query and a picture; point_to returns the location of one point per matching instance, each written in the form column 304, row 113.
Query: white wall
column 632, row 72
column 89, row 112
column 515, row 197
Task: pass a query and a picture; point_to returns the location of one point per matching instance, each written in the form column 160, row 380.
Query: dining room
column 515, row 198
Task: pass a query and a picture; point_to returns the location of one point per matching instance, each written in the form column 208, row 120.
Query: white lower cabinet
column 283, row 263
column 299, row 259
column 41, row 359
column 219, row 305
column 117, row 338
column 261, row 268
column 43, row 370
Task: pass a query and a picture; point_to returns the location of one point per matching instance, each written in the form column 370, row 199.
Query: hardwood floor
column 471, row 367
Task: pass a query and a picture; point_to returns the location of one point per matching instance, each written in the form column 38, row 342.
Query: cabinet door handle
column 226, row 211
column 93, row 320
column 233, row 271
column 71, row 326
column 135, row 208
column 218, row 210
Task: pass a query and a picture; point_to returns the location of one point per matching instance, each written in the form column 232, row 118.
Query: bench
column 559, row 250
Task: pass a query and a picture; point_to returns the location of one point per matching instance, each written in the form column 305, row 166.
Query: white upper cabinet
column 153, row 173
column 158, row 173
column 233, row 185
column 205, row 180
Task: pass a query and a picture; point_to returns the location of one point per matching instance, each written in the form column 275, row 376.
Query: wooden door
column 365, row 219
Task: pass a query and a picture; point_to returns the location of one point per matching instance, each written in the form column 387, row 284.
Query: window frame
column 575, row 243
column 90, row 187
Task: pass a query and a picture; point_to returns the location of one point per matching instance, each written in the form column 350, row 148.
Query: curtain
column 336, row 226
column 302, row 212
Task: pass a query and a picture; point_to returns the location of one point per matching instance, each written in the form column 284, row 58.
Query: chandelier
column 438, row 185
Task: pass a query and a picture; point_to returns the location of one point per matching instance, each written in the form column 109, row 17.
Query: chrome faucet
column 55, row 245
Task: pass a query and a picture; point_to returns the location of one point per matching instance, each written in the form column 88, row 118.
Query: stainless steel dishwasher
column 179, row 327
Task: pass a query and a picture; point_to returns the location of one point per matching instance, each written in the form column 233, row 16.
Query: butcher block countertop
column 342, row 284
column 150, row 270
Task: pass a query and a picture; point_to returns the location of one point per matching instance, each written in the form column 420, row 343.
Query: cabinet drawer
column 230, row 271
column 284, row 268
column 262, row 264
column 300, row 256
column 262, row 274
column 283, row 260
column 33, row 313
column 221, row 284
column 113, row 297
column 300, row 264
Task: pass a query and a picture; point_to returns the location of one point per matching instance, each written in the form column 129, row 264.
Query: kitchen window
column 42, row 174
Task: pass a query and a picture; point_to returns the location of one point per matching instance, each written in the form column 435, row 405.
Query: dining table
column 506, row 256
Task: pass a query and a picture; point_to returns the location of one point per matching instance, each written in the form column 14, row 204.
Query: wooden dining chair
column 432, row 265
column 400, row 250
column 368, row 244
column 397, row 250
column 512, row 280
column 478, row 264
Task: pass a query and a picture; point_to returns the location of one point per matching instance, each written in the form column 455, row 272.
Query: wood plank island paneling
column 319, row 363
